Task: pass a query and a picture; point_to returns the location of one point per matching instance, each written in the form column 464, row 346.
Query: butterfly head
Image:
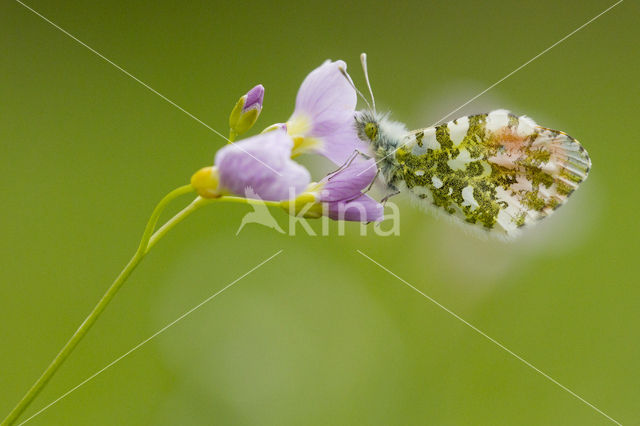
column 368, row 125
column 378, row 130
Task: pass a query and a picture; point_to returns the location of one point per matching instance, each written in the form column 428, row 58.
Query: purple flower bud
column 246, row 112
column 261, row 166
column 254, row 98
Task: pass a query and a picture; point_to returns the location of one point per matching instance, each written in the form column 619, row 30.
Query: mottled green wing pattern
column 497, row 171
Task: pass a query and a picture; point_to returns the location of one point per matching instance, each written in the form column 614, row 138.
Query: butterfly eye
column 371, row 130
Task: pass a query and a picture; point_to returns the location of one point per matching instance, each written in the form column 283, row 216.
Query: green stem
column 179, row 217
column 240, row 200
column 153, row 220
column 143, row 249
column 196, row 204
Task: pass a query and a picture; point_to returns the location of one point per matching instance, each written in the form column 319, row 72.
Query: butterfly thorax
column 385, row 137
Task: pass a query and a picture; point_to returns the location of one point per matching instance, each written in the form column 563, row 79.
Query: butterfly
column 495, row 171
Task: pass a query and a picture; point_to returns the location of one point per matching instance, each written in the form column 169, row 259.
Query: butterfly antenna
column 346, row 76
column 363, row 61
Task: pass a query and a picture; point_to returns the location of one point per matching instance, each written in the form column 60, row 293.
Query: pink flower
column 323, row 122
column 263, row 165
column 323, row 119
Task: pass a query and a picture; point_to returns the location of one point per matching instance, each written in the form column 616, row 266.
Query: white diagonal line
column 162, row 330
column 491, row 339
column 506, row 76
column 145, row 85
column 529, row 61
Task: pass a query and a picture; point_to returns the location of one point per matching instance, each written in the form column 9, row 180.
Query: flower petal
column 325, row 93
column 360, row 209
column 348, row 182
column 342, row 141
column 325, row 109
column 263, row 164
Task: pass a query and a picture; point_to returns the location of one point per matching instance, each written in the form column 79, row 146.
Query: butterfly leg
column 372, row 182
column 386, row 197
column 346, row 164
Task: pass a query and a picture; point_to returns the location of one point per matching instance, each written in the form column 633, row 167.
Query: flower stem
column 147, row 241
column 179, row 217
column 196, row 204
column 240, row 200
column 153, row 220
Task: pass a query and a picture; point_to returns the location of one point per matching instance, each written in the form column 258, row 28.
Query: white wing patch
column 467, row 196
column 526, row 126
column 461, row 161
column 497, row 119
column 458, row 129
column 437, row 183
column 429, row 139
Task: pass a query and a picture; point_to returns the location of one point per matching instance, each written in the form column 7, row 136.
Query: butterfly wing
column 496, row 171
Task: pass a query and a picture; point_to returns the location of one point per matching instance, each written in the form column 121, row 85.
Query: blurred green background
column 319, row 335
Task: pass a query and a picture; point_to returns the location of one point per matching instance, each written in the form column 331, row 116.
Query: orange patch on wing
column 510, row 140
